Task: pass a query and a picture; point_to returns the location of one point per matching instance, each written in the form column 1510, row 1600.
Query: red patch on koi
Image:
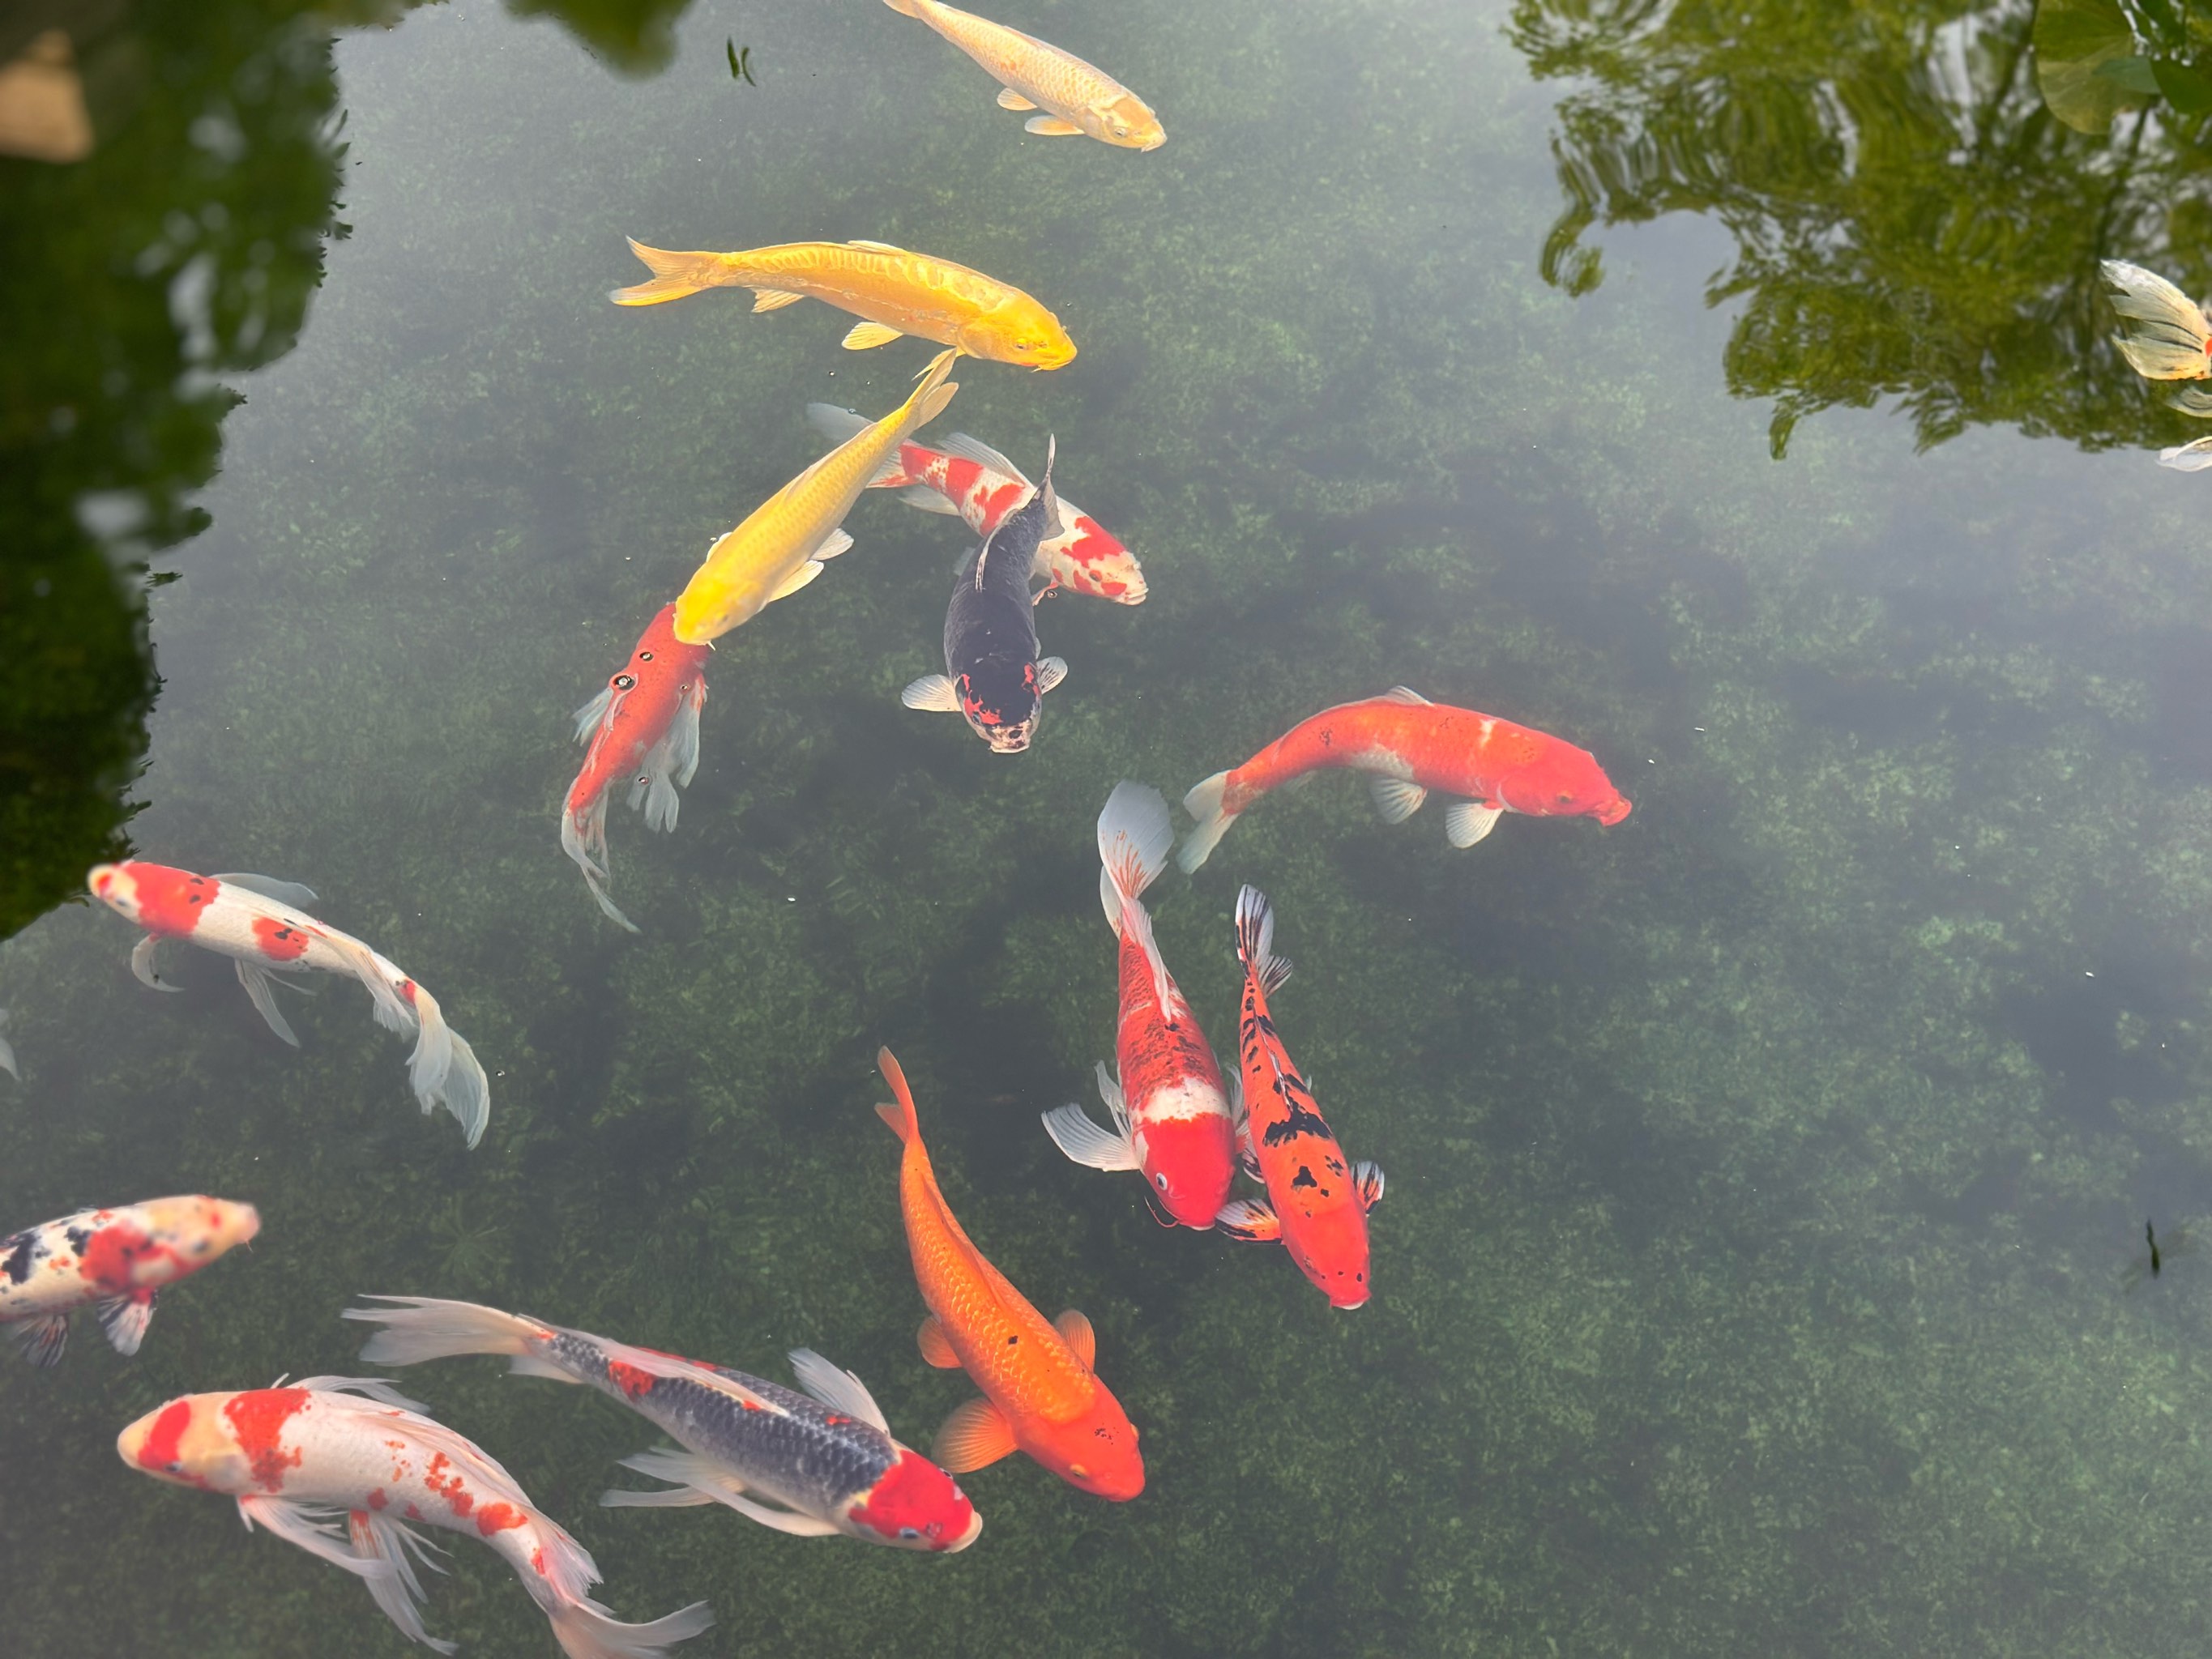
column 280, row 941
column 499, row 1517
column 377, row 1499
column 537, row 1560
column 258, row 1420
column 113, row 1253
column 632, row 1380
column 165, row 1440
column 447, row 1486
column 407, row 990
column 171, row 900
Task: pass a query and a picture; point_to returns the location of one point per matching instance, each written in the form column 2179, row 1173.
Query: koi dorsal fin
column 1404, row 694
column 836, row 1388
column 974, row 449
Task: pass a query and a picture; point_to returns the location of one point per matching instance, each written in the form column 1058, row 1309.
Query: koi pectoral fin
column 934, row 692
column 1009, row 99
column 1396, row 799
column 260, row 991
column 42, row 1340
column 865, row 336
column 1072, row 1131
column 1466, row 822
column 142, row 965
column 1368, row 1178
column 1050, row 126
column 936, row 1348
column 1051, row 671
column 775, row 299
column 975, row 1435
column 1253, row 1220
column 124, row 1318
column 697, row 1481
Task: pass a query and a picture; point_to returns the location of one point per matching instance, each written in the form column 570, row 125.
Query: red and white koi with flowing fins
column 333, row 1452
column 1171, row 1112
column 1408, row 746
column 264, row 927
column 113, row 1261
column 643, row 728
column 970, row 480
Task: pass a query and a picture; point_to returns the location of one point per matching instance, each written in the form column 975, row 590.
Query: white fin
column 589, row 716
column 1051, row 671
column 1109, row 1091
column 41, row 1340
column 1050, row 126
column 929, row 500
column 713, row 1480
column 834, row 424
column 1368, row 1178
column 1135, row 835
column 1210, row 821
column 664, row 1497
column 1253, row 1220
column 124, row 1318
column 399, row 1593
column 2193, row 456
column 259, row 983
column 864, row 336
column 1009, row 99
column 934, row 692
column 837, row 541
column 382, row 1391
column 443, row 1070
column 797, row 579
column 836, row 1388
column 586, row 1630
column 1255, row 939
column 284, row 892
column 971, row 448
column 580, row 839
column 311, row 1527
column 1466, row 822
column 419, row 1327
column 1404, row 694
column 142, row 965
column 775, row 299
column 682, row 737
column 876, row 247
column 1085, row 1143
column 1395, row 798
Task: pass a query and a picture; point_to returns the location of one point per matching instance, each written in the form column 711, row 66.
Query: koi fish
column 114, row 1261
column 1316, row 1204
column 341, row 1476
column 970, row 480
column 781, row 546
column 1408, row 745
column 993, row 675
column 1076, row 97
column 893, row 292
column 262, row 926
column 643, row 726
column 1170, row 1111
column 823, row 1461
column 1040, row 1394
column 2169, row 337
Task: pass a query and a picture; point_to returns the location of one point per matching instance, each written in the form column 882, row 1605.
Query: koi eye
column 1162, row 1180
column 1566, row 795
column 624, row 682
column 909, row 1532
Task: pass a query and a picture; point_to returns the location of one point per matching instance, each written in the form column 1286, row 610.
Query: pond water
column 1728, row 395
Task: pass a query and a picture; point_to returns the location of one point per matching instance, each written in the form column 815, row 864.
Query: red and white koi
column 339, row 1465
column 970, row 480
column 644, row 729
column 264, row 927
column 113, row 1262
column 813, row 1464
column 1316, row 1204
column 1171, row 1112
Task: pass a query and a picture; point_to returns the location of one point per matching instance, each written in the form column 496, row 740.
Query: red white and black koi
column 643, row 728
column 263, row 926
column 968, row 479
column 113, row 1262
column 811, row 1464
column 1170, row 1111
column 339, row 1465
column 993, row 675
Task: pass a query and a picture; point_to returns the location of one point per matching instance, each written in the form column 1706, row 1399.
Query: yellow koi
column 1075, row 96
column 780, row 547
column 894, row 291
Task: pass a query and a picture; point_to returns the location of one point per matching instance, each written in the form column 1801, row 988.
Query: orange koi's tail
column 1212, row 810
column 1255, row 940
column 674, row 276
column 901, row 1116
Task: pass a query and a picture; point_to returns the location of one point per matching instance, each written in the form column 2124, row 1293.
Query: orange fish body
column 1040, row 1396
column 1316, row 1202
column 1408, row 746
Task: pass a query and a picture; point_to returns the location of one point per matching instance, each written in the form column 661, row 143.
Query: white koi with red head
column 644, row 729
column 262, row 926
column 1170, row 1110
column 113, row 1262
column 341, row 1467
column 970, row 480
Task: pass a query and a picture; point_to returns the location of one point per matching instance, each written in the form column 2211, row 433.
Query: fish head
column 1095, row 1452
column 189, row 1443
column 1330, row 1249
column 1001, row 698
column 157, row 897
column 1127, row 121
column 184, row 1235
column 1189, row 1162
column 1017, row 329
column 1567, row 784
column 914, row 1505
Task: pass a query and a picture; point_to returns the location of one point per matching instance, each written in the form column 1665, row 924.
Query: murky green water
column 1765, row 1173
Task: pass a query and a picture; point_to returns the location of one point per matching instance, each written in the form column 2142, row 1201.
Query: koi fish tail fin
column 584, row 839
column 586, row 1630
column 419, row 1327
column 900, row 1116
column 1255, row 940
column 2192, row 457
column 2169, row 336
column 445, row 1071
column 1134, row 838
column 906, row 6
column 1208, row 804
column 674, row 276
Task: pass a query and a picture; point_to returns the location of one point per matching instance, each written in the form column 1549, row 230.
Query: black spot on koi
column 21, row 1250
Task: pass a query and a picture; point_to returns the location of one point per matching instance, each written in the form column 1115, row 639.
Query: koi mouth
column 1612, row 812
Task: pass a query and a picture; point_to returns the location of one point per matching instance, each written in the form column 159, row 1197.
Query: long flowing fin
column 415, row 1329
column 259, row 982
column 592, row 713
column 444, row 1070
column 1072, row 1131
column 904, row 1124
column 586, row 1630
column 674, row 275
column 583, row 834
column 141, row 964
column 1211, row 818
column 971, row 448
column 379, row 1538
column 313, row 1527
column 1135, row 835
column 293, row 894
column 836, row 1388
